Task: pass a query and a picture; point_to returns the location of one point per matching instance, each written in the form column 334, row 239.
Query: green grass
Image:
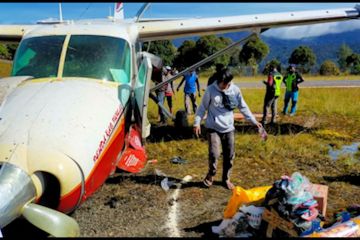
column 300, row 143
column 5, row 68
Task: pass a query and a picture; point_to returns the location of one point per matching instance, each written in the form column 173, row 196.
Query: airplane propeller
column 51, row 221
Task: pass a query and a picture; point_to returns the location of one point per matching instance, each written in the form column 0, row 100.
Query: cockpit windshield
column 98, row 57
column 88, row 56
column 38, row 57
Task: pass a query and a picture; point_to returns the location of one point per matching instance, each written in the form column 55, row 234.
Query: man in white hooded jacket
column 219, row 100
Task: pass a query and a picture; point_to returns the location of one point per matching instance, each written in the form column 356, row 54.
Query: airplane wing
column 159, row 30
column 13, row 33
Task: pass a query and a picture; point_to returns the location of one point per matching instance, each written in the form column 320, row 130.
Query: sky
column 30, row 13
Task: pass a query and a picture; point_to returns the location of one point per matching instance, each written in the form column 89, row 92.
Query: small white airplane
column 77, row 109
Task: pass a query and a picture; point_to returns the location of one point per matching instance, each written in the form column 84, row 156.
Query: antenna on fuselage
column 60, row 13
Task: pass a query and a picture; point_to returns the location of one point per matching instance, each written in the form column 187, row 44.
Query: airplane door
column 142, row 88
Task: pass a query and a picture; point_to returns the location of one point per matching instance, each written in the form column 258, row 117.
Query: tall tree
column 162, row 48
column 275, row 63
column 253, row 52
column 353, row 61
column 342, row 54
column 185, row 55
column 208, row 45
column 4, row 53
column 12, row 49
column 304, row 57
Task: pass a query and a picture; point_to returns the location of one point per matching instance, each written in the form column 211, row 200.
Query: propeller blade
column 54, row 222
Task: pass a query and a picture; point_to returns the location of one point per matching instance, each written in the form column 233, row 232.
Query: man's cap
column 168, row 68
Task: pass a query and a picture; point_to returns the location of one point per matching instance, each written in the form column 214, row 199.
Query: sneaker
column 292, row 114
column 227, row 184
column 208, row 181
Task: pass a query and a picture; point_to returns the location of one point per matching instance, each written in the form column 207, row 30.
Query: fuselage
column 68, row 118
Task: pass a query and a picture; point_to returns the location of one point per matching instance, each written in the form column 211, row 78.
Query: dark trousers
column 270, row 101
column 228, row 146
column 161, row 97
column 190, row 97
column 169, row 102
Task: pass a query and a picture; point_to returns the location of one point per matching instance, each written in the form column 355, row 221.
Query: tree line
column 249, row 55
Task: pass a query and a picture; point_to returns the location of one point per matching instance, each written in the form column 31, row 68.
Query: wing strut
column 141, row 11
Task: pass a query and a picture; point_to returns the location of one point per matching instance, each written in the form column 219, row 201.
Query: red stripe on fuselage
column 105, row 164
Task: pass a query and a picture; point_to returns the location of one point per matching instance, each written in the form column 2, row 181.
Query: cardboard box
column 320, row 193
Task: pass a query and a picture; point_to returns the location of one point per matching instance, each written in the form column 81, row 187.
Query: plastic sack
column 234, row 227
column 166, row 184
column 242, row 196
column 254, row 215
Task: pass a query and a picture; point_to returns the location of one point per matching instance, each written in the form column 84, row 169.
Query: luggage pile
column 291, row 200
column 291, row 207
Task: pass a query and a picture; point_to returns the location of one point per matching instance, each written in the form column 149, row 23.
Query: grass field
column 5, row 68
column 325, row 117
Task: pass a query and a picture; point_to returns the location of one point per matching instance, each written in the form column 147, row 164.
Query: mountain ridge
column 324, row 46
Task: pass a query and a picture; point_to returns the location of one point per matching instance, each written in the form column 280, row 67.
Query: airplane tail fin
column 119, row 11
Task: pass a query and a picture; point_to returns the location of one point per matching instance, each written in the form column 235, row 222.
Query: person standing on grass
column 158, row 77
column 273, row 89
column 220, row 99
column 291, row 80
column 169, row 87
column 190, row 79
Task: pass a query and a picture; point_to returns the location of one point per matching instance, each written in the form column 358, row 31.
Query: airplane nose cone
column 16, row 189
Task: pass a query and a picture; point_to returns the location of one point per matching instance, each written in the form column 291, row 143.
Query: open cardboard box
column 320, row 193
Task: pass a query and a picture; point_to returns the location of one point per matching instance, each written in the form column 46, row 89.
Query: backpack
column 229, row 101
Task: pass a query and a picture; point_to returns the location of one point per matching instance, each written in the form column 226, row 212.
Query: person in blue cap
column 291, row 80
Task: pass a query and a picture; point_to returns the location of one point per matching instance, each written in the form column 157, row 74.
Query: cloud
column 298, row 32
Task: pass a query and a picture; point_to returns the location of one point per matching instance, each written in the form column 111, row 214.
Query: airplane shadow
column 273, row 129
column 352, row 178
column 170, row 133
column 205, row 229
column 19, row 227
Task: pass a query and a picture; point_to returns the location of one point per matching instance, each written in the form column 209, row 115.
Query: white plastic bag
column 166, row 184
column 254, row 215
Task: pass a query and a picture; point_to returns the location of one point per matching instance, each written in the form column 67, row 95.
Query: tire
column 181, row 120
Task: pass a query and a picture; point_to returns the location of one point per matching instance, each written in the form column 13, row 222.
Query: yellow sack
column 241, row 196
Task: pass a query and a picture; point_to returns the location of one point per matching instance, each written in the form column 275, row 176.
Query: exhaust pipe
column 16, row 193
column 16, row 190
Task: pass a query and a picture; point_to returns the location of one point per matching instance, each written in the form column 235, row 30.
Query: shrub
column 328, row 67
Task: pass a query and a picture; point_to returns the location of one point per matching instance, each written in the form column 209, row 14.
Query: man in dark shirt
column 291, row 80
